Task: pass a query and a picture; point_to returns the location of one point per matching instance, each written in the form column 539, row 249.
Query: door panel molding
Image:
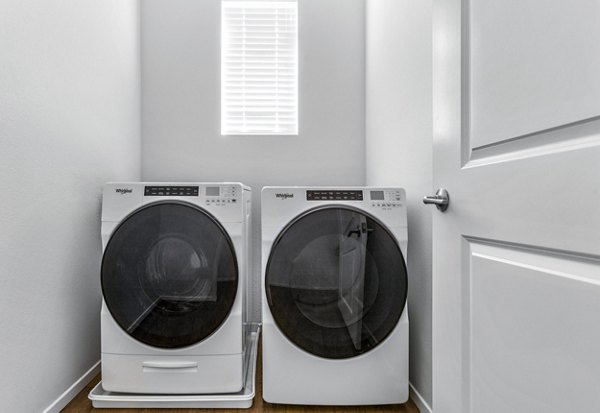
column 526, row 306
column 558, row 262
column 550, row 131
column 574, row 136
column 532, row 66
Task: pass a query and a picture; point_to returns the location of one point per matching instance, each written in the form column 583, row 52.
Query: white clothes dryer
column 174, row 268
column 335, row 319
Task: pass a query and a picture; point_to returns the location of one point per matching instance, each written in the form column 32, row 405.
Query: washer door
column 336, row 282
column 169, row 275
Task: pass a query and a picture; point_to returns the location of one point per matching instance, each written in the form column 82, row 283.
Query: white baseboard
column 419, row 400
column 69, row 394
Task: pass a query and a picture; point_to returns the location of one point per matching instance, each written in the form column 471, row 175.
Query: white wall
column 69, row 121
column 181, row 102
column 399, row 145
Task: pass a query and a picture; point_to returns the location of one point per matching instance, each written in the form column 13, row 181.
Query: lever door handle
column 441, row 199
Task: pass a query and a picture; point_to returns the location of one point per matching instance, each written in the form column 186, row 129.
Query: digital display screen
column 377, row 195
column 213, row 191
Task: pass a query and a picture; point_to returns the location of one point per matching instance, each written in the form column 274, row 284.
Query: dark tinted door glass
column 169, row 275
column 336, row 282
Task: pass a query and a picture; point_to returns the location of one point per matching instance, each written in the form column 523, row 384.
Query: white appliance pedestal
column 240, row 400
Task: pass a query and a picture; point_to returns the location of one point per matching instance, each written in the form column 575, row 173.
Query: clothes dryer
column 335, row 319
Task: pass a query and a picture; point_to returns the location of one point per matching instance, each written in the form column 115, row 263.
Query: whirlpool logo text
column 123, row 191
column 284, row 196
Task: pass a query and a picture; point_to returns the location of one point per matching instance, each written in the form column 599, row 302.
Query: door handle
column 441, row 199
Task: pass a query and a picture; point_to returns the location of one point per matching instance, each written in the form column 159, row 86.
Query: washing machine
column 334, row 284
column 174, row 268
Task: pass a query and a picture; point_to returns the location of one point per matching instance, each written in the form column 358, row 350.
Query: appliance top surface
column 165, row 183
column 266, row 188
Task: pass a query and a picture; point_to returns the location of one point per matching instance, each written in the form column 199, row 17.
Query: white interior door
column 516, row 272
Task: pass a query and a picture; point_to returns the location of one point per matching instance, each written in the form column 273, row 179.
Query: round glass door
column 336, row 282
column 169, row 275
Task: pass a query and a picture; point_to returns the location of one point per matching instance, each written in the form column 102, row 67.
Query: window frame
column 226, row 129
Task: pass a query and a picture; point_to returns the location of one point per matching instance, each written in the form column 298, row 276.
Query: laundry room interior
column 364, row 205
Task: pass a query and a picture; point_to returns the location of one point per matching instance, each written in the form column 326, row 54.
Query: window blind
column 259, row 68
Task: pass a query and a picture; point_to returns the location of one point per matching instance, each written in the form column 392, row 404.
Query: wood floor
column 81, row 404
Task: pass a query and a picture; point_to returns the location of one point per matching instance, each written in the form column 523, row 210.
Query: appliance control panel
column 178, row 190
column 379, row 198
column 221, row 195
column 386, row 199
column 334, row 195
column 217, row 195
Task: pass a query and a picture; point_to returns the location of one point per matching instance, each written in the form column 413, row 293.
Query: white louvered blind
column 259, row 68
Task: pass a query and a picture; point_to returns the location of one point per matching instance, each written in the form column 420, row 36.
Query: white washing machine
column 335, row 320
column 174, row 269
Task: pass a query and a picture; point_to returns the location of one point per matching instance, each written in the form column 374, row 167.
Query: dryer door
column 336, row 282
column 169, row 275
